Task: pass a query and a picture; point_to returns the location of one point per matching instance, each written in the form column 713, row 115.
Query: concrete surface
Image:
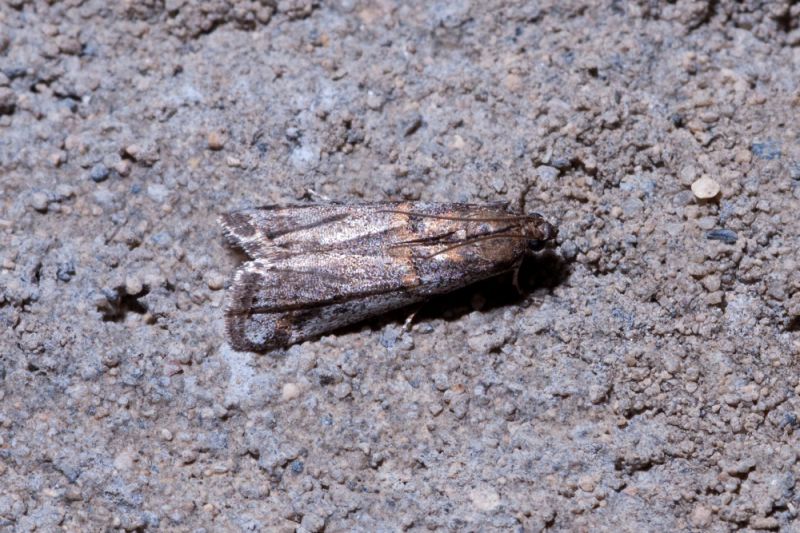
column 648, row 379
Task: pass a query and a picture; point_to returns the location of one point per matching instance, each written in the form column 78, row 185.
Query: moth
column 314, row 268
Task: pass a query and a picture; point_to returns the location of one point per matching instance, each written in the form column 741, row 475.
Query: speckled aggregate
column 647, row 381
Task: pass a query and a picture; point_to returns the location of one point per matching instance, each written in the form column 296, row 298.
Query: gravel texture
column 647, row 380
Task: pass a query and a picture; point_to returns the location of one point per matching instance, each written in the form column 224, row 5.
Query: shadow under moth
column 318, row 267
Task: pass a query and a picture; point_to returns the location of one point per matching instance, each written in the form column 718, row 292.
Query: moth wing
column 265, row 331
column 277, row 304
column 255, row 229
column 319, row 267
column 276, row 230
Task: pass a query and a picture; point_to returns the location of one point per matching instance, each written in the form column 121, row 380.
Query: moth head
column 538, row 232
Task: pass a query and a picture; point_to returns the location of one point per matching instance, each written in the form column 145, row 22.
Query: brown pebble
column 715, row 298
column 123, row 167
column 215, row 140
column 586, row 483
column 701, row 516
column 215, row 280
column 133, row 151
column 58, row 158
column 743, row 156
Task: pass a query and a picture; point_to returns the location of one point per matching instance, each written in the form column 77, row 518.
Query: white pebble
column 39, row 201
column 133, row 285
column 705, row 188
column 290, row 391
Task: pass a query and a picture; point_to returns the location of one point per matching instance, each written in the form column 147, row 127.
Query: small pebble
column 99, row 173
column 64, row 191
column 484, row 499
column 764, row 522
column 707, row 223
column 157, row 192
column 725, row 235
column 569, row 250
column 712, row 283
column 65, row 271
column 188, row 457
column 312, row 522
column 297, row 466
column 547, row 174
column 215, row 280
column 701, row 516
column 586, row 483
column 794, row 170
column 743, row 156
column 73, row 494
column 342, row 391
column 133, row 151
column 688, row 175
column 215, row 140
column 374, row 100
column 133, row 285
column 292, row 133
column 123, row 460
column 705, row 188
column 290, row 391
column 39, row 201
column 123, row 167
column 57, row 158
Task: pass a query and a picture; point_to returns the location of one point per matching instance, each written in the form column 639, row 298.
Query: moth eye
column 535, row 245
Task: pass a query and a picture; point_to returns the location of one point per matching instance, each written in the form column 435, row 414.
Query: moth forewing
column 315, row 268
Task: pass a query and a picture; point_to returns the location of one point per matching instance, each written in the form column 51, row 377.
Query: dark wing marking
column 274, row 306
column 264, row 331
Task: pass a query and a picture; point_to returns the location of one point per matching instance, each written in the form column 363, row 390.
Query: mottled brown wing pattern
column 319, row 267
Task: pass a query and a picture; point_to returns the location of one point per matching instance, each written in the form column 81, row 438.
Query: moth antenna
column 458, row 219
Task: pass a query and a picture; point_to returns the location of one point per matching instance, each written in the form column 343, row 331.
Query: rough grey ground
column 648, row 381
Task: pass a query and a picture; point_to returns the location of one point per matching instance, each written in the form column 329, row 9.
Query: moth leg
column 515, row 278
column 410, row 318
column 314, row 194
